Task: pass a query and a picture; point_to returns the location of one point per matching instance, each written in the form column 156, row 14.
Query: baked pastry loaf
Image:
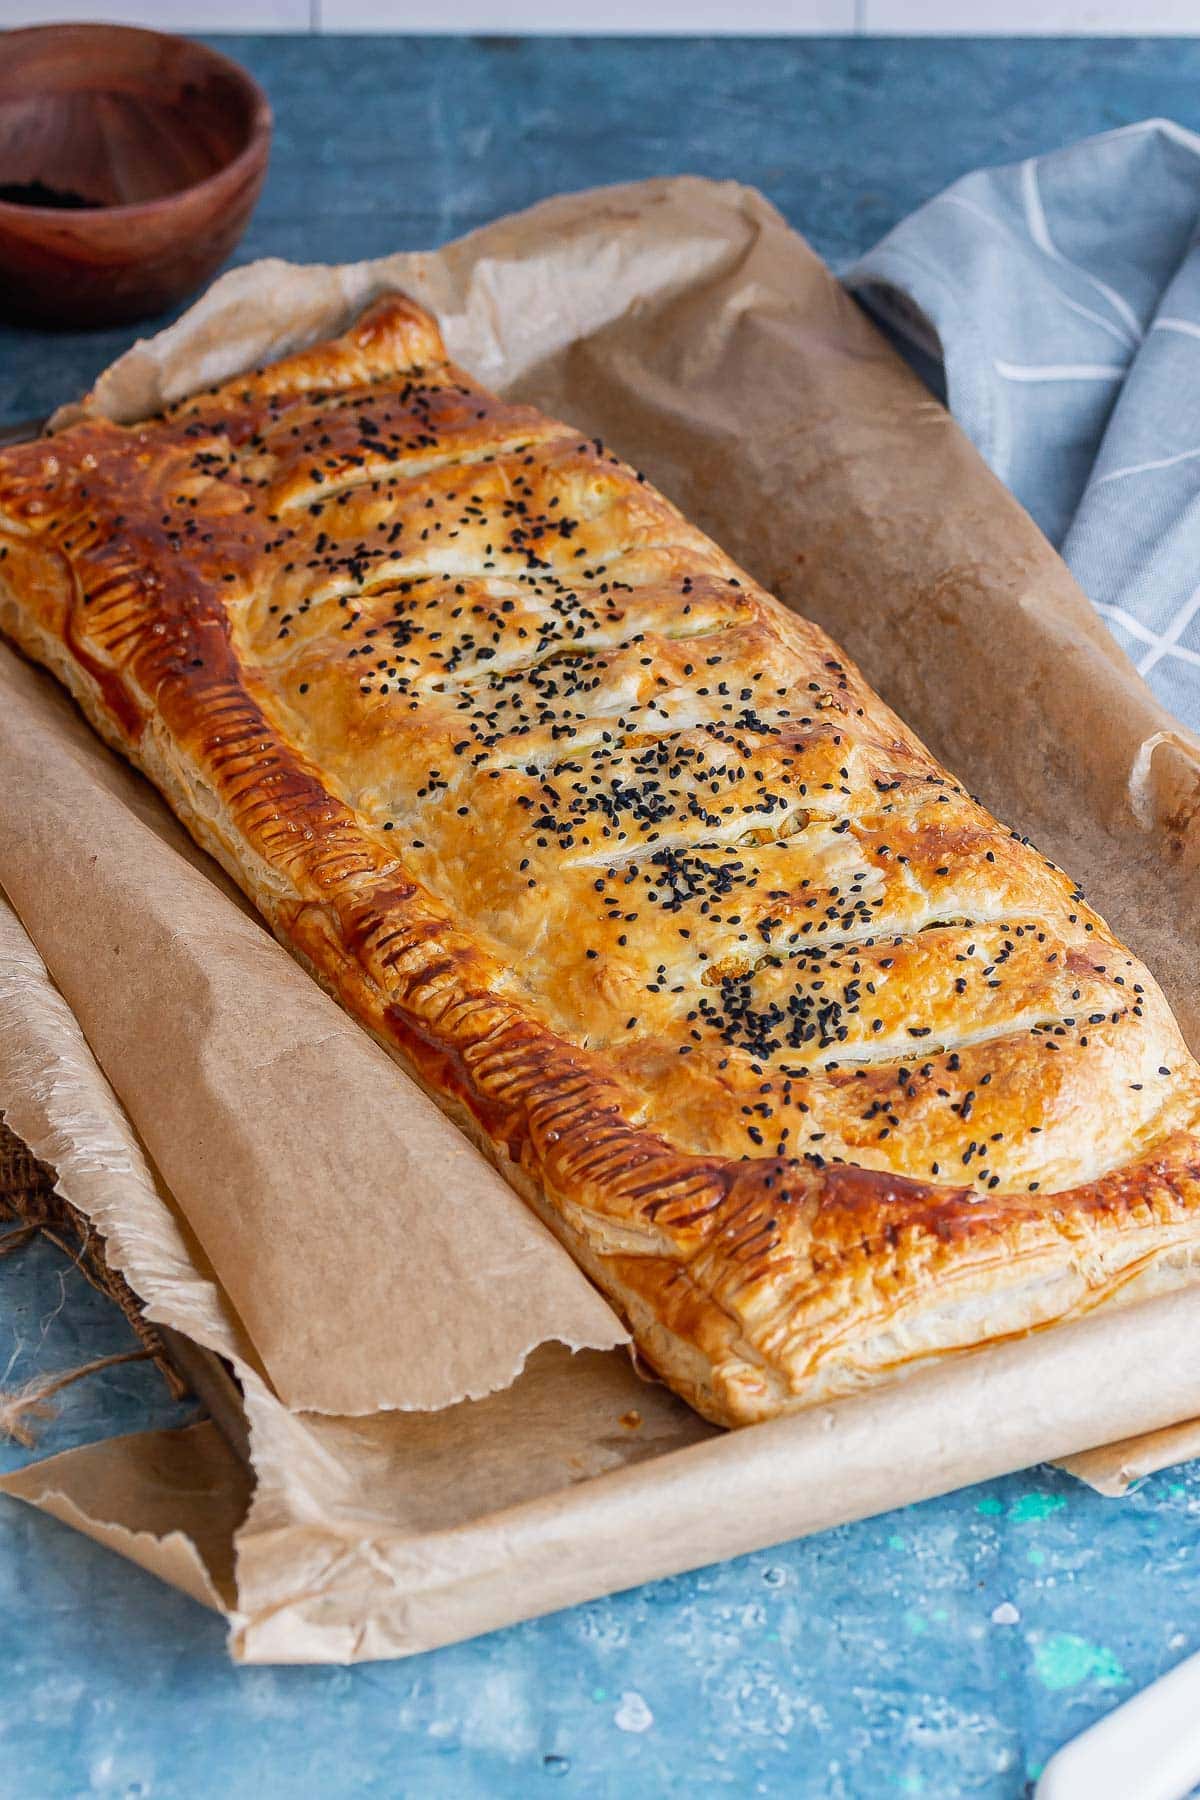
column 816, row 1069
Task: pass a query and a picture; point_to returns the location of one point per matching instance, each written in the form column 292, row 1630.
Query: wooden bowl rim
column 261, row 124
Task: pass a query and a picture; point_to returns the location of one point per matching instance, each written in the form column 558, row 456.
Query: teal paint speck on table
column 943, row 1650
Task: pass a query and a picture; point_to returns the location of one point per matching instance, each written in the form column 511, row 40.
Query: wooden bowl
column 142, row 154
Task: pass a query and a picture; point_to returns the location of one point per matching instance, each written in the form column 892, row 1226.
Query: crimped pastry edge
column 741, row 1388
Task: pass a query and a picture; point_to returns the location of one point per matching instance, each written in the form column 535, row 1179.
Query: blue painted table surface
column 945, row 1649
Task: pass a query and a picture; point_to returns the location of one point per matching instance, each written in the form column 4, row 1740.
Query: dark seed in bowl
column 36, row 193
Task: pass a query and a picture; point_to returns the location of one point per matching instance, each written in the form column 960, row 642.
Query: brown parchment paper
column 408, row 1490
column 284, row 1132
column 1113, row 1469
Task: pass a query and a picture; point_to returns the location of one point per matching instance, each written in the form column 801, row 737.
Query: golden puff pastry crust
column 817, row 1070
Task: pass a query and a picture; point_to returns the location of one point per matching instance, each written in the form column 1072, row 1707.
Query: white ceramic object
column 1148, row 1749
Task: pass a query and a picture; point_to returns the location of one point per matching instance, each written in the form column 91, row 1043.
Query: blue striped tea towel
column 1055, row 305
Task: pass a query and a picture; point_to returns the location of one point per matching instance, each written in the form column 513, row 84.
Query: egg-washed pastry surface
column 816, row 1069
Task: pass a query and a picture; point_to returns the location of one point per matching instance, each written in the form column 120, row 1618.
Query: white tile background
column 1042, row 17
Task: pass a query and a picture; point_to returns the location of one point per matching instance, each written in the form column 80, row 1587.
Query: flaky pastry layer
column 817, row 1070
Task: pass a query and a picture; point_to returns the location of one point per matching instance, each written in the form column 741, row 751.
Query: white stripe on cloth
column 1039, row 231
column 1059, row 371
column 1085, row 312
column 1136, row 629
column 1168, row 643
column 1144, row 468
column 1184, row 326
